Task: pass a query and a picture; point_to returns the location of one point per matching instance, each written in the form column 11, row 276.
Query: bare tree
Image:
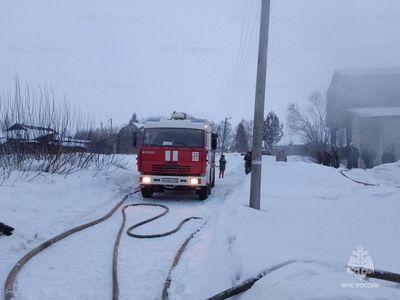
column 229, row 136
column 42, row 135
column 311, row 124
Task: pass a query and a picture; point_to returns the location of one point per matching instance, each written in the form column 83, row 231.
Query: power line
column 243, row 37
column 243, row 59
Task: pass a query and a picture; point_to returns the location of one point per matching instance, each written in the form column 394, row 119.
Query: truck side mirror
column 135, row 140
column 214, row 141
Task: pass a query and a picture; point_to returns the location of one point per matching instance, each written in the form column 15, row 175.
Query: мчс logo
column 360, row 263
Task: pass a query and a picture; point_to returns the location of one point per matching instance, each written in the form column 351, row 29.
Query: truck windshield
column 173, row 137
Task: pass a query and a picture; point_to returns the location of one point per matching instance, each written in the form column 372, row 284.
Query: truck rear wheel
column 147, row 192
column 204, row 192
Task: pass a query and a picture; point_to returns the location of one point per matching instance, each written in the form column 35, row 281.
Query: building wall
column 356, row 131
column 125, row 144
column 371, row 136
column 391, row 135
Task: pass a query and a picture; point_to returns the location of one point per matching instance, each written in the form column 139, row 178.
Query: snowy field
column 310, row 213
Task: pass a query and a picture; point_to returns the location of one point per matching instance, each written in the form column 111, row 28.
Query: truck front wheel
column 146, row 192
column 204, row 191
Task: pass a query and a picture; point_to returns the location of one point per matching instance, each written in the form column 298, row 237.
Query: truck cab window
column 173, row 137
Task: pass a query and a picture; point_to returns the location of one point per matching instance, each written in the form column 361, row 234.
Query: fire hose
column 9, row 289
column 150, row 236
column 248, row 283
column 356, row 181
column 343, row 172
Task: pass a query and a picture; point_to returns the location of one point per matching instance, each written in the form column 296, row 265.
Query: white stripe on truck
column 167, row 155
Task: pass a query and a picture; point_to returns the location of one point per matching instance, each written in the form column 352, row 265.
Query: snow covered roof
column 138, row 125
column 24, row 127
column 28, row 132
column 371, row 112
column 34, row 134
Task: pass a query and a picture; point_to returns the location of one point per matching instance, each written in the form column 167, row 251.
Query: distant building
column 363, row 107
column 125, row 138
column 30, row 138
column 27, row 133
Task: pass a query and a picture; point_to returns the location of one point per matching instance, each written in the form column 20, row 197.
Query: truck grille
column 168, row 169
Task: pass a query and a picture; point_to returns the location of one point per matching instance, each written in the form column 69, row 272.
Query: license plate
column 170, row 180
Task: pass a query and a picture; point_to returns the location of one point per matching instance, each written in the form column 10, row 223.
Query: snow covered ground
column 310, row 213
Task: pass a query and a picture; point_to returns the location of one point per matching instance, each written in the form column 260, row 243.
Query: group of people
column 330, row 158
column 247, row 164
column 353, row 155
column 368, row 156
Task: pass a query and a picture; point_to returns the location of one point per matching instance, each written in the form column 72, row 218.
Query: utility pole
column 224, row 136
column 255, row 187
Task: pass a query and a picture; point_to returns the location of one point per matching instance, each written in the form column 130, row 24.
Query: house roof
column 373, row 112
column 30, row 133
column 18, row 126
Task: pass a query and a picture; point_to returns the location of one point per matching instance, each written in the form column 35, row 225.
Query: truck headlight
column 146, row 179
column 194, row 181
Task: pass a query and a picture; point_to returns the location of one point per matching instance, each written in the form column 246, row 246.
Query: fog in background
column 155, row 56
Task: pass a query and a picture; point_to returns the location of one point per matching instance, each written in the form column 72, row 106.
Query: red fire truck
column 177, row 154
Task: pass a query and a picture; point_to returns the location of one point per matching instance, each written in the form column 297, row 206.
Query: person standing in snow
column 247, row 158
column 368, row 155
column 388, row 157
column 5, row 229
column 353, row 154
column 335, row 157
column 222, row 165
column 327, row 158
column 247, row 164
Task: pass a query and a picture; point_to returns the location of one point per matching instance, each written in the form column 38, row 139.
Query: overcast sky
column 155, row 56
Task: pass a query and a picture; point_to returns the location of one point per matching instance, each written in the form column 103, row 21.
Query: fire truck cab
column 177, row 154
